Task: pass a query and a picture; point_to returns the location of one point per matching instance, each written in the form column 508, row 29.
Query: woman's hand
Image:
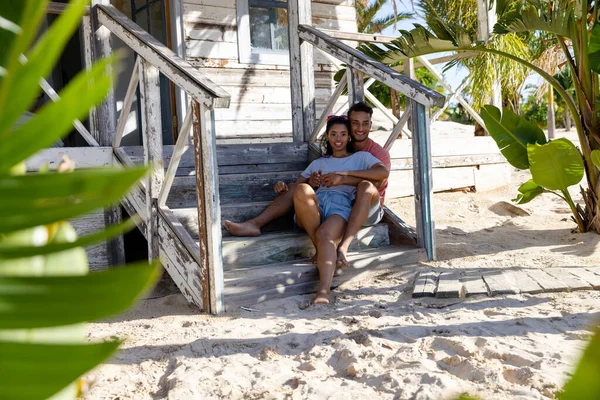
column 280, row 187
column 333, row 179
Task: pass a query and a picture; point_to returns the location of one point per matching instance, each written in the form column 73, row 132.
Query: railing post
column 209, row 210
column 152, row 138
column 302, row 78
column 423, row 182
column 356, row 90
column 103, row 122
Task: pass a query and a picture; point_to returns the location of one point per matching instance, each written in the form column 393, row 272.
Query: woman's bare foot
column 321, row 298
column 341, row 259
column 241, row 228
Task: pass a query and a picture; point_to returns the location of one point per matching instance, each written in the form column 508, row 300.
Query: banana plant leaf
column 596, row 158
column 512, row 133
column 528, row 191
column 558, row 19
column 32, row 200
column 555, row 165
column 18, row 93
column 35, row 371
column 584, row 384
column 594, row 49
column 71, row 299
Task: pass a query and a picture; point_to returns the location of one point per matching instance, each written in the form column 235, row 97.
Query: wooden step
column 237, row 213
column 242, row 252
column 245, row 287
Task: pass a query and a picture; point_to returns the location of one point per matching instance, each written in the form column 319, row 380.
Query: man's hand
column 332, row 179
column 315, row 179
column 280, row 187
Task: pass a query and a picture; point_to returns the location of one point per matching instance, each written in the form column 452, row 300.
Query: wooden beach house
column 230, row 97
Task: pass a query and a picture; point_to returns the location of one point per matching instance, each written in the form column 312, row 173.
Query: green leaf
column 55, row 119
column 18, row 93
column 596, row 158
column 9, row 250
column 527, row 192
column 31, row 200
column 31, row 371
column 512, row 133
column 584, row 383
column 558, row 19
column 594, row 49
column 555, row 165
column 71, row 299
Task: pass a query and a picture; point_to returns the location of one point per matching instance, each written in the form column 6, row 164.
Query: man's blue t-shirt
column 360, row 160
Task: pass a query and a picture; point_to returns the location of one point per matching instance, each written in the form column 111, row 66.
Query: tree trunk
column 551, row 123
column 567, row 119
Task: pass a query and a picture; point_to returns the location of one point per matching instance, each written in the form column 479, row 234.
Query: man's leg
column 366, row 196
column 283, row 204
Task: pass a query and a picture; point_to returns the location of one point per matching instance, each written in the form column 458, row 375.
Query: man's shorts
column 375, row 215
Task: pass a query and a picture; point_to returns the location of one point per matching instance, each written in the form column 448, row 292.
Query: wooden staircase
column 275, row 264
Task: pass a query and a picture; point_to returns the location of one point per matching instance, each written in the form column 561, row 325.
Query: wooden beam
column 83, row 157
column 462, row 101
column 302, row 85
column 356, row 91
column 398, row 127
column 169, row 64
column 152, row 138
column 180, row 147
column 422, row 177
column 59, row 8
column 209, row 213
column 129, row 96
column 87, row 38
column 329, row 108
column 370, row 67
column 453, row 97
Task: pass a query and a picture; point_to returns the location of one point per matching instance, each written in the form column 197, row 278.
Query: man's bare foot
column 321, row 298
column 341, row 262
column 241, row 228
column 313, row 259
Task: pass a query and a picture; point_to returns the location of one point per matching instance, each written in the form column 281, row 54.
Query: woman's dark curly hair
column 335, row 120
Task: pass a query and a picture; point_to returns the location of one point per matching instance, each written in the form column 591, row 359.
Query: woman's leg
column 328, row 235
column 308, row 212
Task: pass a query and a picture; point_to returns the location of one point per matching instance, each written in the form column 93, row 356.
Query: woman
column 324, row 196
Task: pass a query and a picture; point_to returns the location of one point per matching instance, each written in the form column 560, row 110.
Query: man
column 367, row 209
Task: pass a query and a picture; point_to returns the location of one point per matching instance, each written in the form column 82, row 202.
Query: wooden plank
column 406, row 163
column 83, row 157
column 254, row 112
column 152, row 138
column 336, row 12
column 422, row 178
column 398, row 129
column 58, row 8
column 356, row 90
column 446, row 147
column 571, row 281
column 329, row 108
column 180, row 265
column 280, row 247
column 209, row 213
column 499, row 282
column 215, row 3
column 170, row 64
column 367, row 65
column 473, row 283
column 525, row 283
column 210, row 32
column 359, row 37
column 97, row 254
column 275, row 153
column 400, row 232
column 425, row 284
column 87, row 38
column 547, row 282
column 587, row 276
column 209, row 15
column 200, row 48
column 127, row 102
column 251, row 285
column 241, row 128
column 180, row 147
column 449, row 285
column 333, row 24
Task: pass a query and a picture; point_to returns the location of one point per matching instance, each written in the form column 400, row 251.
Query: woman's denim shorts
column 334, row 203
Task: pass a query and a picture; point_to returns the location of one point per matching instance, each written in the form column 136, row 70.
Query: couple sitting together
column 335, row 196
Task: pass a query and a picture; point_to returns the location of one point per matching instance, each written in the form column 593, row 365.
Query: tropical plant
column 46, row 292
column 574, row 27
column 365, row 16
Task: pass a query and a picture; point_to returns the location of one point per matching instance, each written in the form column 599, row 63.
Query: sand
column 375, row 341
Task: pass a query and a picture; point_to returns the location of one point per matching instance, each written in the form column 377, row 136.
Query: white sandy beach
column 375, row 341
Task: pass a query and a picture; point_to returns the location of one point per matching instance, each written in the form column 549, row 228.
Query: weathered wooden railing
column 195, row 267
column 419, row 99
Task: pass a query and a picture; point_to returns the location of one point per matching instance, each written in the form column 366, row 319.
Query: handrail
column 182, row 73
column 359, row 61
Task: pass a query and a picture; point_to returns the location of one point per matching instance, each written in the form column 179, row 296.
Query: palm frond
column 533, row 16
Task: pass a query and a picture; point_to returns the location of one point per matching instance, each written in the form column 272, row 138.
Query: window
column 263, row 31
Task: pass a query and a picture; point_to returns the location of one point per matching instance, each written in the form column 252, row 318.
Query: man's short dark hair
column 361, row 107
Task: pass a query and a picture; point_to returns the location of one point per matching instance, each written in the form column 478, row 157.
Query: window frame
column 246, row 53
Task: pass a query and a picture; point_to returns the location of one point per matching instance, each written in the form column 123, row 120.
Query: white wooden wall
column 260, row 108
